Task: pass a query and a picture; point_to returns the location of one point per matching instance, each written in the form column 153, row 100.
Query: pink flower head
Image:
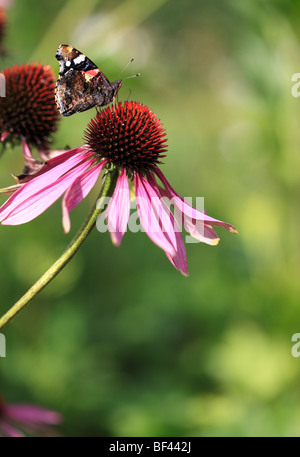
column 23, row 419
column 130, row 138
column 28, row 112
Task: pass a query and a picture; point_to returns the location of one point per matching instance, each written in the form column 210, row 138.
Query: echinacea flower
column 28, row 111
column 18, row 420
column 131, row 139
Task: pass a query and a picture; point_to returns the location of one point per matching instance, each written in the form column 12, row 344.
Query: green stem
column 90, row 222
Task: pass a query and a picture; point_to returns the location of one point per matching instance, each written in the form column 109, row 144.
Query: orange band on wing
column 91, row 72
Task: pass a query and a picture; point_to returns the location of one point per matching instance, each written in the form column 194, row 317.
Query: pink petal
column 10, row 431
column 62, row 163
column 169, row 237
column 26, row 151
column 37, row 203
column 179, row 261
column 201, row 231
column 4, row 135
column 188, row 210
column 50, row 172
column 61, row 158
column 154, row 216
column 30, row 414
column 197, row 228
column 78, row 191
column 118, row 210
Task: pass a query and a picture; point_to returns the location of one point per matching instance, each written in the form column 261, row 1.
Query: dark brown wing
column 81, row 85
column 75, row 92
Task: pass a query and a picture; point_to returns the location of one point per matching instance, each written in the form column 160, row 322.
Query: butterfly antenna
column 122, row 71
column 132, row 76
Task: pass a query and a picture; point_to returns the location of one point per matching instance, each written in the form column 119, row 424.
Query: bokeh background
column 120, row 343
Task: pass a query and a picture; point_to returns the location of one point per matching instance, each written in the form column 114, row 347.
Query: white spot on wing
column 79, row 59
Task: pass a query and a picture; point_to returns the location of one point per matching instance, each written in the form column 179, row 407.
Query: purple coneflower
column 19, row 420
column 131, row 139
column 28, row 111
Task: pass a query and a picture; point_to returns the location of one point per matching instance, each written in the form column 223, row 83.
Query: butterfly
column 81, row 85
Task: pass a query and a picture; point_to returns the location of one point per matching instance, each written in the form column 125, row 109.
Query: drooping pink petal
column 166, row 231
column 55, row 167
column 4, row 135
column 38, row 170
column 10, row 431
column 64, row 156
column 154, row 216
column 118, row 210
column 43, row 198
column 50, row 173
column 78, row 191
column 179, row 261
column 30, row 414
column 197, row 228
column 201, row 231
column 26, row 150
column 188, row 210
column 32, row 164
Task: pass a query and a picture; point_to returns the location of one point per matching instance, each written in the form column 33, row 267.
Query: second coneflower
column 28, row 111
column 128, row 138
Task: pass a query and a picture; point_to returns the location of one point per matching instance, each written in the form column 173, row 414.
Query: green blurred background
column 120, row 343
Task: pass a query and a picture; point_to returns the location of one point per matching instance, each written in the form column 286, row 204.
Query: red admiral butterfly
column 81, row 85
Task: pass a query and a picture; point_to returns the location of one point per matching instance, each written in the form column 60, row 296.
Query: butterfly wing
column 70, row 58
column 81, row 85
column 74, row 93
